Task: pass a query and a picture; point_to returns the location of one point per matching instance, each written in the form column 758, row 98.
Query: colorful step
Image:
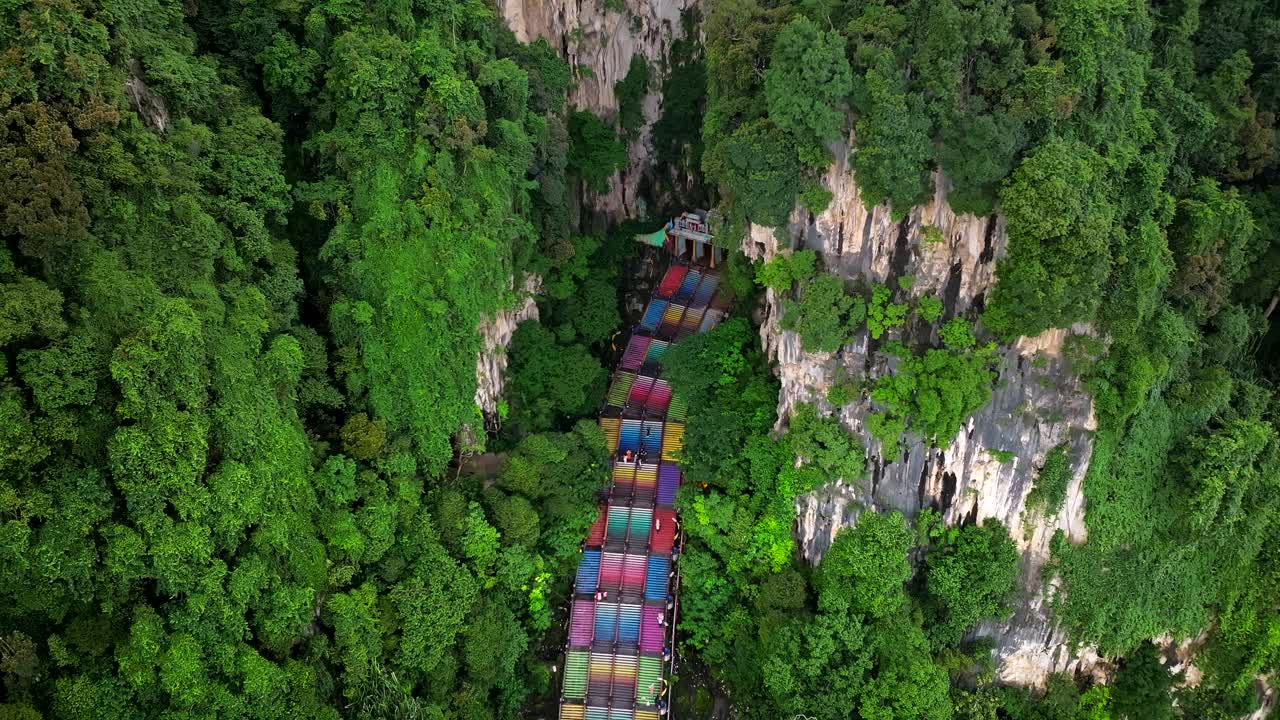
column 662, row 536
column 672, row 441
column 619, row 519
column 629, row 436
column 648, row 680
column 646, row 479
column 624, row 475
column 711, row 319
column 677, row 409
column 640, row 390
column 655, row 351
column 651, row 436
column 576, row 664
column 595, row 538
column 582, row 624
column 620, row 388
column 657, row 578
column 671, row 319
column 659, row 397
column 610, row 427
column 600, row 677
column 588, row 578
column 629, row 625
column 606, row 621
column 653, row 635
column 689, row 285
column 638, row 527
column 635, row 568
column 613, row 664
column 707, row 288
column 668, row 482
column 637, row 352
column 653, row 314
column 672, row 280
column 691, row 321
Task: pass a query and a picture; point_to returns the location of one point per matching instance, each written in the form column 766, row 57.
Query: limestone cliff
column 1036, row 405
column 495, row 333
column 599, row 42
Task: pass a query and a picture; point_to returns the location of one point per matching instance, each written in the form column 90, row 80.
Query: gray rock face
column 599, row 44
column 495, row 333
column 149, row 106
column 1036, row 404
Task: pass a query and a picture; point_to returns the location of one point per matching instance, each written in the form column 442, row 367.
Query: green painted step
column 640, row 519
column 575, row 674
column 656, row 350
column 649, row 673
column 618, row 517
column 678, row 409
column 621, row 388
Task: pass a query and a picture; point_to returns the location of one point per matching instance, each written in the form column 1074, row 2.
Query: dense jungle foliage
column 247, row 248
column 1131, row 149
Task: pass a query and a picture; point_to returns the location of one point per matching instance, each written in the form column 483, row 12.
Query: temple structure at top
column 687, row 238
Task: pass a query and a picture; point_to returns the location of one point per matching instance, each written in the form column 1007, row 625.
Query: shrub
column 882, row 314
column 825, row 316
column 630, row 92
column 1050, row 489
column 929, row 308
column 595, row 153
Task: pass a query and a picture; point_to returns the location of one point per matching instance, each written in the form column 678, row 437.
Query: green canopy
column 656, row 238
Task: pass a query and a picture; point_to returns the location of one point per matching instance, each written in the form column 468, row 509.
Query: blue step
column 589, row 572
column 655, row 580
column 653, row 315
column 606, row 622
column 652, row 439
column 629, row 624
column 629, row 437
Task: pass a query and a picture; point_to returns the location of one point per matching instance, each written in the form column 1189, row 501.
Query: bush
column 1050, row 489
column 822, row 443
column 826, row 316
column 595, row 152
column 1060, row 224
column 547, row 382
column 957, row 334
column 929, row 308
column 882, row 314
column 807, row 80
column 1002, row 456
column 630, row 92
column 784, row 270
column 758, row 172
column 934, row 393
column 969, row 578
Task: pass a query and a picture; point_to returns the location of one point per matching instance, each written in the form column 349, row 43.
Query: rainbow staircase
column 620, row 620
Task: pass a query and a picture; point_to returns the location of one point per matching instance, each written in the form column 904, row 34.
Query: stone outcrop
column 1037, row 404
column 495, row 333
column 599, row 42
column 150, row 107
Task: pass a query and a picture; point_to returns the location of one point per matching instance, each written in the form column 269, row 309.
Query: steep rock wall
column 495, row 333
column 599, row 43
column 1036, row 405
